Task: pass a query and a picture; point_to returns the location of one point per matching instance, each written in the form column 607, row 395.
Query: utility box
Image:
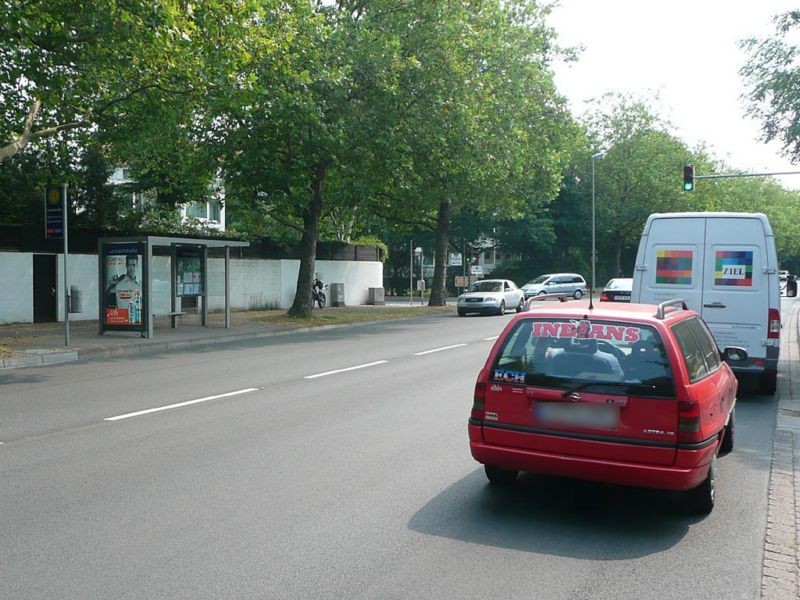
column 337, row 294
column 75, row 299
column 376, row 296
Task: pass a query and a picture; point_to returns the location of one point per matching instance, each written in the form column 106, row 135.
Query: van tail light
column 688, row 421
column 774, row 330
column 478, row 399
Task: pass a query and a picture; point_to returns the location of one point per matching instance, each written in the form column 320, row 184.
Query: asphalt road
column 281, row 475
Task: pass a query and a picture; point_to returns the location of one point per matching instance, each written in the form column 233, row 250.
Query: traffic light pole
column 746, row 175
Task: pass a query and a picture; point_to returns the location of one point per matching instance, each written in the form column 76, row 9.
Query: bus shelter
column 126, row 276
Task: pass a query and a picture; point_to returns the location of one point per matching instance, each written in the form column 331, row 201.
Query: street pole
column 411, row 273
column 594, row 247
column 66, row 279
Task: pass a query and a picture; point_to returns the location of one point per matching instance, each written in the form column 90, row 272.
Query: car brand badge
column 574, row 396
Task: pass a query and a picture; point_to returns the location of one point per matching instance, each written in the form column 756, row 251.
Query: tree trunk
column 301, row 307
column 438, row 287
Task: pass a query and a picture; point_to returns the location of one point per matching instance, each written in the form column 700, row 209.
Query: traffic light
column 469, row 259
column 688, row 178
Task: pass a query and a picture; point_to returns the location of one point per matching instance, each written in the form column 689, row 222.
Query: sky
column 686, row 52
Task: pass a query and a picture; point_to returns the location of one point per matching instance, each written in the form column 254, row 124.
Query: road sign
column 462, row 281
column 476, row 270
column 53, row 212
column 455, row 259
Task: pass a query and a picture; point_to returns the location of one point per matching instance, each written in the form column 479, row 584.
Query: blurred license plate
column 568, row 414
column 623, row 295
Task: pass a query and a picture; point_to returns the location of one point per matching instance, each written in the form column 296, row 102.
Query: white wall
column 16, row 287
column 82, row 271
column 254, row 283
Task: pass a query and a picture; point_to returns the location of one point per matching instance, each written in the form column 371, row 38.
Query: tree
column 474, row 123
column 772, row 76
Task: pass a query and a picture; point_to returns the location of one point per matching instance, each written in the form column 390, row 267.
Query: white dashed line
column 372, row 364
column 491, row 339
column 178, row 405
column 438, row 349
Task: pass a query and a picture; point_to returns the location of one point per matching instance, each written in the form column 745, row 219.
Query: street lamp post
column 594, row 247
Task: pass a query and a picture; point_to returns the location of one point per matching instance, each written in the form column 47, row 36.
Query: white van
column 725, row 267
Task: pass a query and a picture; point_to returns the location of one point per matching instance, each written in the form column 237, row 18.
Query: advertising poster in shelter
column 189, row 271
column 123, row 299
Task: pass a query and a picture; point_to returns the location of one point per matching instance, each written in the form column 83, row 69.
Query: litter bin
column 75, row 299
column 376, row 296
column 337, row 294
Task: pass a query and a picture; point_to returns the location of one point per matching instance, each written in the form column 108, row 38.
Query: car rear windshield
column 604, row 356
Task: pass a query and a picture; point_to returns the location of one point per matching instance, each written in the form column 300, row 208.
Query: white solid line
column 187, row 403
column 439, row 349
column 491, row 339
column 372, row 364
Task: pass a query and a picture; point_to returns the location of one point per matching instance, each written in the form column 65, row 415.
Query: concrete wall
column 254, row 284
column 16, row 288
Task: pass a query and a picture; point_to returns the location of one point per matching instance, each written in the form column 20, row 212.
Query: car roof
column 640, row 313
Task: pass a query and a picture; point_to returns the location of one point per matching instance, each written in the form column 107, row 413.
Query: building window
column 196, row 210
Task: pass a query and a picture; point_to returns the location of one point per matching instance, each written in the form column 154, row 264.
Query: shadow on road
column 555, row 516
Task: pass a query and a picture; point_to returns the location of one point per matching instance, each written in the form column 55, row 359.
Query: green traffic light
column 688, row 186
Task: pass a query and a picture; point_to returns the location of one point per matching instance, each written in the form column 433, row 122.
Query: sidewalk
column 37, row 344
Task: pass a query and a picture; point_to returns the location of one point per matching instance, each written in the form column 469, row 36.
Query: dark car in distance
column 617, row 290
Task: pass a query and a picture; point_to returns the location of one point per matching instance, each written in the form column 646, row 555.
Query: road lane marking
column 438, row 349
column 364, row 366
column 179, row 404
column 491, row 339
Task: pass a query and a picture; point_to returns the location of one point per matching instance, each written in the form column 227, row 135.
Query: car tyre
column 502, row 309
column 577, row 294
column 727, row 437
column 521, row 306
column 700, row 500
column 462, row 312
column 768, row 382
column 542, row 293
column 498, row 476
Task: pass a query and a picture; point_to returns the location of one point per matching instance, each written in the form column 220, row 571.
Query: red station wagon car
column 630, row 394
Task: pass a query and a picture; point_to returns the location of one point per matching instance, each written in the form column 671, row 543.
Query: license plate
column 583, row 414
column 623, row 295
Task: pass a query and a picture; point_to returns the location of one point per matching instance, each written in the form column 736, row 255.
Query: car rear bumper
column 688, row 470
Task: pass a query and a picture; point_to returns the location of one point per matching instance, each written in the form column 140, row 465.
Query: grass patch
column 345, row 314
column 6, row 352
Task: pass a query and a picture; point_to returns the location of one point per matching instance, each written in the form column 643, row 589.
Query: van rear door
column 670, row 261
column 737, row 283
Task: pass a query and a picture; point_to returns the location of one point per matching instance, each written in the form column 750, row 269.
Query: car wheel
column 577, row 295
column 542, row 293
column 700, row 500
column 727, row 436
column 502, row 310
column 768, row 382
column 521, row 306
column 498, row 476
column 462, row 312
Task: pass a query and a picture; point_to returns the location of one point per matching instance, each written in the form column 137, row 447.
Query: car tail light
column 688, row 421
column 478, row 399
column 774, row 317
column 604, row 296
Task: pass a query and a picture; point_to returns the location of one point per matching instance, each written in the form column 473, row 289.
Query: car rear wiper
column 586, row 384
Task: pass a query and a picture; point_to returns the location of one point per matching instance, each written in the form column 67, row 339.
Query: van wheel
column 727, row 436
column 577, row 295
column 700, row 500
column 498, row 476
column 768, row 382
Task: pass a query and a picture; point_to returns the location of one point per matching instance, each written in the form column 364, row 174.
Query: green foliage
column 772, row 76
